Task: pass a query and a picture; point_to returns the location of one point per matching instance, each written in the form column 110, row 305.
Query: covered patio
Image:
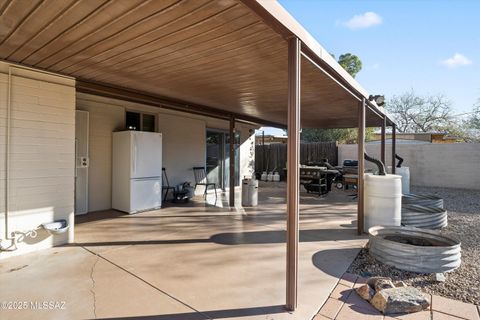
column 191, row 261
column 241, row 61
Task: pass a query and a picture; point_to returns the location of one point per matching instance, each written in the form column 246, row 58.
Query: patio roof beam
column 361, row 165
column 293, row 174
column 354, row 93
column 306, row 56
column 166, row 103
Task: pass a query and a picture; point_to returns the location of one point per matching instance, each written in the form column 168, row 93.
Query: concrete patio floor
column 189, row 261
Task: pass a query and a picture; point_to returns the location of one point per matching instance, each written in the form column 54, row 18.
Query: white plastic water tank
column 249, row 193
column 264, row 176
column 405, row 173
column 276, row 176
column 383, row 200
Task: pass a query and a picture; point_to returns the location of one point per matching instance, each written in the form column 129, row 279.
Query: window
column 140, row 121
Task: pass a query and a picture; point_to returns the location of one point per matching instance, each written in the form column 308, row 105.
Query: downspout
column 8, row 236
column 378, row 163
column 400, row 160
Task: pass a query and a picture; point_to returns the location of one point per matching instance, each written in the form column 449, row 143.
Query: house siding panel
column 42, row 150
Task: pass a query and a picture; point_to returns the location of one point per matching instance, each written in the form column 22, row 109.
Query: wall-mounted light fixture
column 379, row 99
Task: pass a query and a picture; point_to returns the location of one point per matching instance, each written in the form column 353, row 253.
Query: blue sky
column 430, row 46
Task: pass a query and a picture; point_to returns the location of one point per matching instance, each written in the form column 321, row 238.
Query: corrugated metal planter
column 414, row 249
column 423, row 200
column 424, row 217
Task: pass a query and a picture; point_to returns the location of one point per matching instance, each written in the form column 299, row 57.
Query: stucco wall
column 42, row 148
column 183, row 143
column 439, row 165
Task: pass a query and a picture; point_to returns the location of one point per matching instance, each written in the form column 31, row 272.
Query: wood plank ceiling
column 213, row 53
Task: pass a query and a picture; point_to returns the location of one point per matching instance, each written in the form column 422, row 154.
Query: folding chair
column 201, row 180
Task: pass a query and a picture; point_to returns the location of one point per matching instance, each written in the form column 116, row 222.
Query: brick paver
column 349, row 312
column 455, row 308
column 442, row 316
column 422, row 315
column 345, row 304
column 348, row 279
column 341, row 292
column 331, row 308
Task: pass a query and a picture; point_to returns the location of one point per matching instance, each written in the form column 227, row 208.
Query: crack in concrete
column 99, row 256
column 92, row 290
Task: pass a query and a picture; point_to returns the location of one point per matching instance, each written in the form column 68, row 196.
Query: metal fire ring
column 436, row 254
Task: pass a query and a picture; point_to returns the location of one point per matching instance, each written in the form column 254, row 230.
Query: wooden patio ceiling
column 219, row 54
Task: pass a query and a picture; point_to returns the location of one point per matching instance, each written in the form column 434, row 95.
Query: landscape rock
column 439, row 277
column 366, row 292
column 380, row 283
column 400, row 300
column 400, row 284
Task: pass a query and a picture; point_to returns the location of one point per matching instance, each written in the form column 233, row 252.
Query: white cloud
column 457, row 60
column 361, row 21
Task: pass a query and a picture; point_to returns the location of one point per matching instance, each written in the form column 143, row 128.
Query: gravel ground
column 463, row 284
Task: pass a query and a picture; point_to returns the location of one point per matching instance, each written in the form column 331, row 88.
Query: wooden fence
column 274, row 156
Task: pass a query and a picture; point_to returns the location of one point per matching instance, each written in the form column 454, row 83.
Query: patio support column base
column 293, row 159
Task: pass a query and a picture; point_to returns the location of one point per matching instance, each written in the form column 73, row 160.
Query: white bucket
column 383, row 200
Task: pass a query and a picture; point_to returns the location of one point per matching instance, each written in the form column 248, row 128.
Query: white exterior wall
column 42, row 148
column 437, row 165
column 184, row 144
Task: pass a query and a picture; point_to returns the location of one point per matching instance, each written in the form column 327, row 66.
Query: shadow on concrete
column 215, row 314
column 241, row 238
column 98, row 215
column 329, row 260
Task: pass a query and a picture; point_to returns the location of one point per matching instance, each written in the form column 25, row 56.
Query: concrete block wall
column 184, row 144
column 437, row 165
column 41, row 156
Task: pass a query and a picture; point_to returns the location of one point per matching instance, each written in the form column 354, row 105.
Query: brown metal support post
column 293, row 159
column 394, row 145
column 232, row 163
column 383, row 138
column 361, row 165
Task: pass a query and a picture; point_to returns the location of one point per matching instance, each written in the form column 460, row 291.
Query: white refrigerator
column 136, row 171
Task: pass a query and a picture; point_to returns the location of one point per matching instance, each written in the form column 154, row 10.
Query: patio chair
column 166, row 185
column 201, row 180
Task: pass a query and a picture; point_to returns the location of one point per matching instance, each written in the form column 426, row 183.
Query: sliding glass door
column 218, row 158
